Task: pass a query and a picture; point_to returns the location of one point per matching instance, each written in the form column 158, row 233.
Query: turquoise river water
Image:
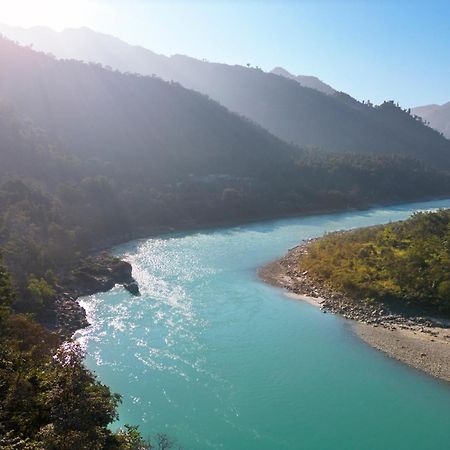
column 217, row 359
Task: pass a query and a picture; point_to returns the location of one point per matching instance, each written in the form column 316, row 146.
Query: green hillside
column 404, row 263
column 94, row 156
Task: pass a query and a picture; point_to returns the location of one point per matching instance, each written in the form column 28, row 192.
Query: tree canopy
column 405, row 263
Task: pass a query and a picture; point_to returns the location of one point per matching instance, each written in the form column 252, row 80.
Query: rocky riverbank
column 96, row 274
column 418, row 340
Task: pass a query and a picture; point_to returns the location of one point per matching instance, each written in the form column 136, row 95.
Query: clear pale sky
column 372, row 49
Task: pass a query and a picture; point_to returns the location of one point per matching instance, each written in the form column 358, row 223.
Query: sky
column 372, row 49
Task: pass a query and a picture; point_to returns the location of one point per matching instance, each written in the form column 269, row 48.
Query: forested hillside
column 283, row 106
column 140, row 122
column 91, row 156
column 403, row 263
column 106, row 156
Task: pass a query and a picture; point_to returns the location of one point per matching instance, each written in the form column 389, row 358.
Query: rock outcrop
column 96, row 274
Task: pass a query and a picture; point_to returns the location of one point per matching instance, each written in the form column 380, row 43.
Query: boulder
column 132, row 288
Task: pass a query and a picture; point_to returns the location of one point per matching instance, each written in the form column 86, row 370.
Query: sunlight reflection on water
column 218, row 359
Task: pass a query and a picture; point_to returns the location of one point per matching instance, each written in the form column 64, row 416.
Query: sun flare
column 57, row 14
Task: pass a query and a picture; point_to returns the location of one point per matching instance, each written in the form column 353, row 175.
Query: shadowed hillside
column 283, row 106
column 133, row 120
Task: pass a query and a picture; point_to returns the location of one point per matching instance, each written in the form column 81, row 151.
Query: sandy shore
column 421, row 342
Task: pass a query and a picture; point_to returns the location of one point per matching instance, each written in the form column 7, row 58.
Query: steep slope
column 437, row 116
column 305, row 80
column 107, row 155
column 99, row 113
column 283, row 106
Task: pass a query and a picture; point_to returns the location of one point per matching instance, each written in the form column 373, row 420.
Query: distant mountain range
column 313, row 116
column 87, row 45
column 438, row 117
column 306, row 81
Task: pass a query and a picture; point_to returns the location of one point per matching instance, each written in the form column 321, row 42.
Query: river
column 217, row 359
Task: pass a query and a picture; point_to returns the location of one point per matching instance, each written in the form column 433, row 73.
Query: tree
column 80, row 407
column 130, row 439
column 6, row 294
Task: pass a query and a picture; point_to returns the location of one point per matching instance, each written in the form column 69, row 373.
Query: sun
column 57, row 14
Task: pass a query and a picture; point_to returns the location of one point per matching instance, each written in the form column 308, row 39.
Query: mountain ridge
column 438, row 116
column 283, row 106
column 305, row 80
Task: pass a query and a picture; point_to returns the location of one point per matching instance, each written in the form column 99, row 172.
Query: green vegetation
column 55, row 204
column 54, row 208
column 48, row 399
column 89, row 156
column 404, row 263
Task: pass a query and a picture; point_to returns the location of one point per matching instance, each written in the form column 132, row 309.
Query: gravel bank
column 421, row 342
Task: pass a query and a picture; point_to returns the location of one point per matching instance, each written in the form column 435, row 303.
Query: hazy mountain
column 100, row 113
column 438, row 116
column 144, row 133
column 283, row 106
column 305, row 80
column 88, row 154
